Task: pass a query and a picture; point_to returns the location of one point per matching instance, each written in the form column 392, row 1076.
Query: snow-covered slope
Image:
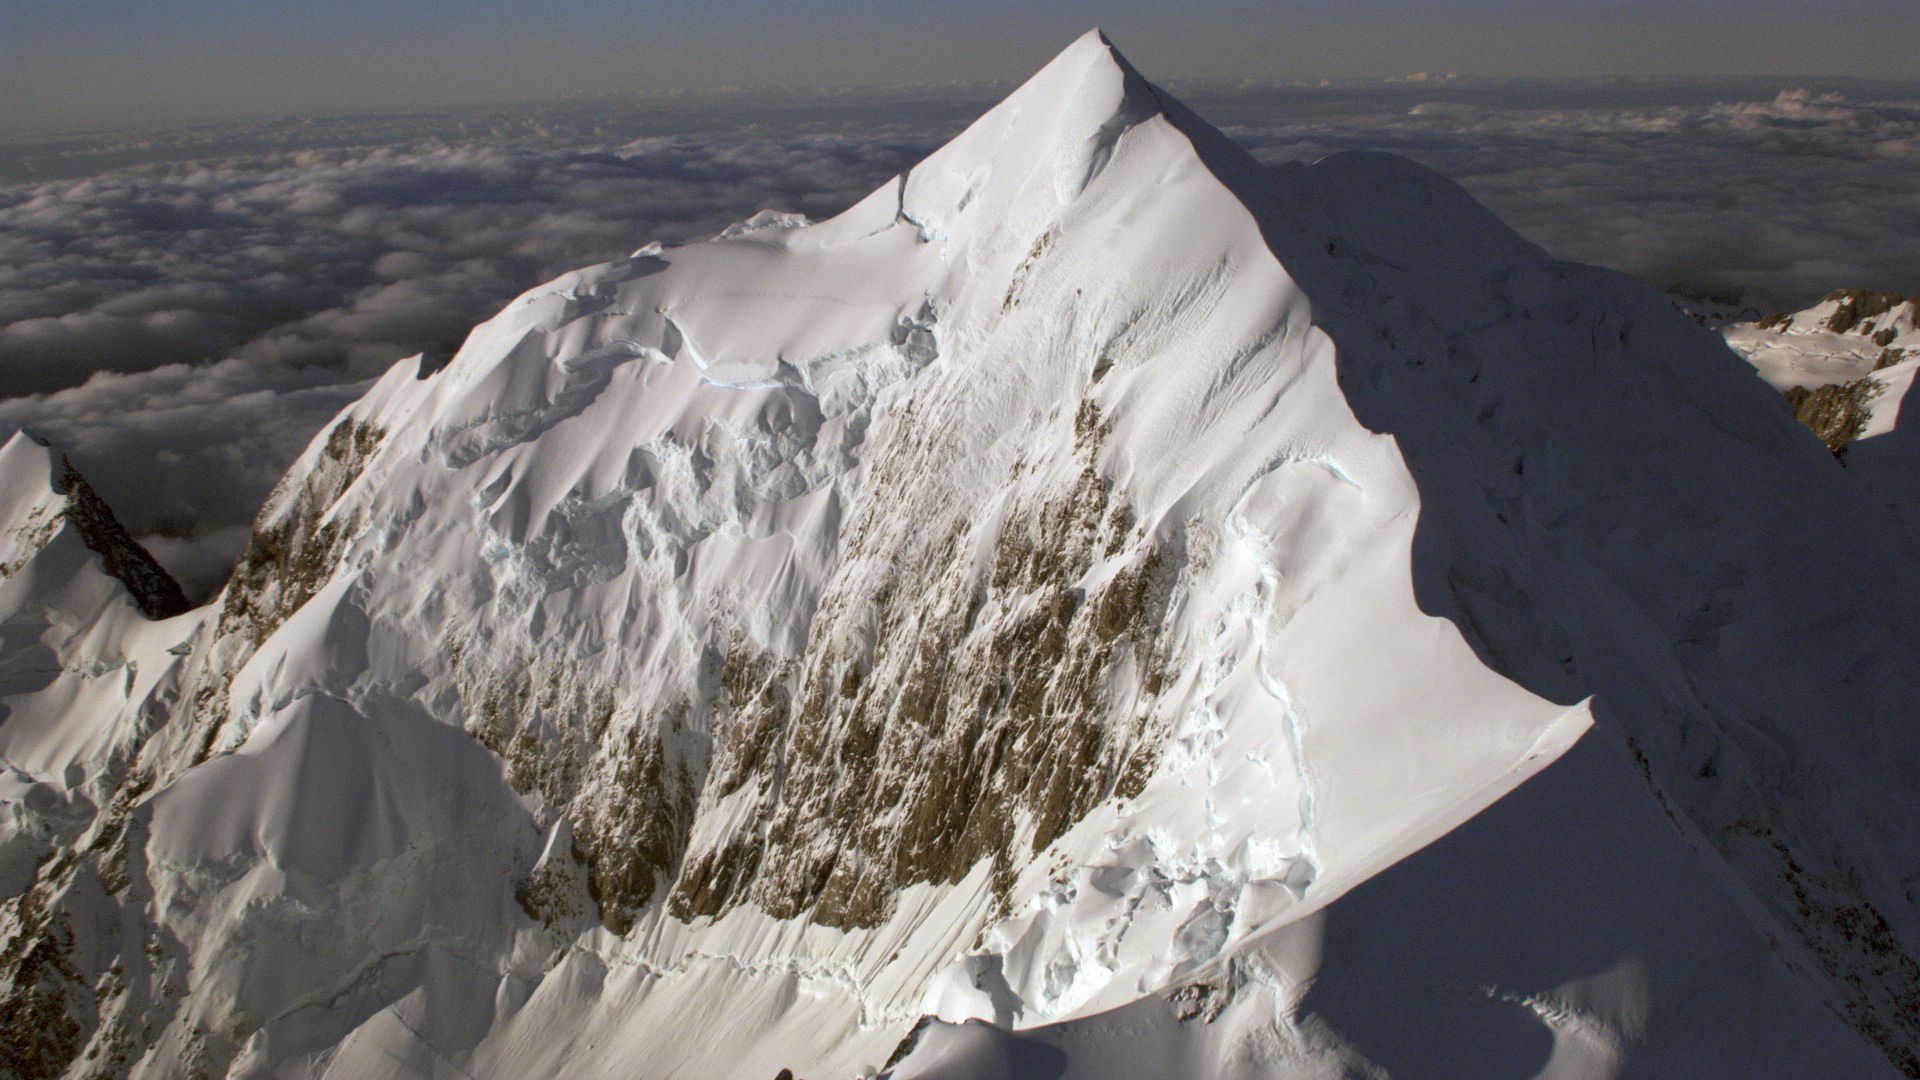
column 1077, row 581
column 1566, row 931
column 1857, row 349
column 1847, row 364
column 1849, row 334
column 73, row 589
column 77, row 596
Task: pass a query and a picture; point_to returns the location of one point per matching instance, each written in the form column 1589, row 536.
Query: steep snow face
column 1566, row 931
column 77, row 596
column 992, row 602
column 44, row 495
column 85, row 672
column 1627, row 517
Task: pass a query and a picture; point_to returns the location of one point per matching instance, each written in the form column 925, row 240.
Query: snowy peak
column 1089, row 92
column 43, row 492
column 1079, row 102
column 29, row 504
column 1881, row 317
column 1057, row 584
column 1848, row 335
column 1847, row 366
column 1039, row 148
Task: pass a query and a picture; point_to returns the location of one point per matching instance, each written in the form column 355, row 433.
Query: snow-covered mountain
column 1096, row 607
column 1850, row 334
column 1847, row 365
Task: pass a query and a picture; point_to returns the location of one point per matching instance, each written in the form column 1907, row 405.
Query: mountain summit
column 1097, row 607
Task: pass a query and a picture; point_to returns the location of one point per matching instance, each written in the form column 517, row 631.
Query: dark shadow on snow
column 1889, row 464
column 1614, row 505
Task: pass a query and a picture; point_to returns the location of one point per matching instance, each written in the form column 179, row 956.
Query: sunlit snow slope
column 1848, row 365
column 1085, row 587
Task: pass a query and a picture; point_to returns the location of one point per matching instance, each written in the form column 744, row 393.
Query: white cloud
column 353, row 258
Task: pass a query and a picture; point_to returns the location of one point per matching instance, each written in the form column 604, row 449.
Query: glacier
column 1096, row 607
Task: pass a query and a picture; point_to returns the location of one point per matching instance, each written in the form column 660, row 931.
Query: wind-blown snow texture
column 1083, row 587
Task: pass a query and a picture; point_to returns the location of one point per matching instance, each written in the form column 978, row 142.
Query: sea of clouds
column 181, row 310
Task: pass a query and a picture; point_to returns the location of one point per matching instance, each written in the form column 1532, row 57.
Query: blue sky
column 90, row 63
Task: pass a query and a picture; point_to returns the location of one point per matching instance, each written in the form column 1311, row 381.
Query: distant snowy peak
column 30, row 505
column 1846, row 364
column 1881, row 317
column 44, row 495
column 1849, row 367
column 1847, row 335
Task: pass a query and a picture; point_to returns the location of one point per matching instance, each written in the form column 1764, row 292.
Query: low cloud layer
column 349, row 259
column 1779, row 200
column 182, row 311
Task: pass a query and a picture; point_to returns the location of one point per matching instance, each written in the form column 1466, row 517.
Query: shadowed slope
column 1612, row 504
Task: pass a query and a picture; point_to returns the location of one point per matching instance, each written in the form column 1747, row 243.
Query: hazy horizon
column 120, row 64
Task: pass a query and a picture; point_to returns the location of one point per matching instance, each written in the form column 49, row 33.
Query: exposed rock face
column 291, row 552
column 1846, row 366
column 1853, row 307
column 152, row 589
column 982, row 713
column 1837, row 412
column 1052, row 586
